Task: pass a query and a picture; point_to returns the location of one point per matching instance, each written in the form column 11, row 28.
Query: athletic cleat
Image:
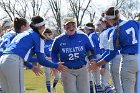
column 108, row 89
column 99, row 89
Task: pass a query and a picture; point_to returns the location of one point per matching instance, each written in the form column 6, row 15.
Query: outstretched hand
column 61, row 67
column 37, row 70
column 93, row 66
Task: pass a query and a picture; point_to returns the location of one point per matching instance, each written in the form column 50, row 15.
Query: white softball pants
column 12, row 73
column 115, row 69
column 47, row 74
column 129, row 73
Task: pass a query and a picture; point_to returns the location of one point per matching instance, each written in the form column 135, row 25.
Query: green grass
column 36, row 84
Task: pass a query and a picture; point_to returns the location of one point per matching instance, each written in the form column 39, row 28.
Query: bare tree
column 8, row 7
column 23, row 8
column 90, row 10
column 56, row 10
column 36, row 6
column 119, row 3
column 129, row 8
column 79, row 8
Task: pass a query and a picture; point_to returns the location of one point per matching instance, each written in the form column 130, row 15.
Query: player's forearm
column 102, row 62
column 28, row 64
column 54, row 57
column 107, row 58
column 33, row 59
column 44, row 62
column 110, row 55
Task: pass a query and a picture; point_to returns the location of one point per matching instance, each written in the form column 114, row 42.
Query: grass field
column 36, row 84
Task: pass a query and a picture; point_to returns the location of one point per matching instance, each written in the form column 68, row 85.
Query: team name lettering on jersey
column 72, row 50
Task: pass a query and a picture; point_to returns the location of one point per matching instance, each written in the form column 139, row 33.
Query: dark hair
column 47, row 30
column 90, row 24
column 112, row 11
column 18, row 22
column 35, row 20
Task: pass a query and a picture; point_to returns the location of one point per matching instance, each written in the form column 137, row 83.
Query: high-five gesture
column 93, row 66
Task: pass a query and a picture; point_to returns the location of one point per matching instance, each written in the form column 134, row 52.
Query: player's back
column 129, row 37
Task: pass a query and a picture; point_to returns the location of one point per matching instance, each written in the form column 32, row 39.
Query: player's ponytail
column 18, row 22
column 113, row 14
column 117, row 31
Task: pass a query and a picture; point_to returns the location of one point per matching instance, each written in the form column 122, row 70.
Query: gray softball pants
column 76, row 81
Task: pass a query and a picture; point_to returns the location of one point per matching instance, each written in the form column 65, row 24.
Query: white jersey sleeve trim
column 42, row 45
column 27, row 55
column 90, row 39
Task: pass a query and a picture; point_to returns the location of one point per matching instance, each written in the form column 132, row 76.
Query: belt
column 131, row 53
column 76, row 67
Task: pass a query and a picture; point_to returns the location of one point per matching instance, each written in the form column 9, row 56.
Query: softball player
column 48, row 34
column 115, row 63
column 105, row 70
column 6, row 39
column 71, row 48
column 8, row 36
column 138, row 89
column 48, row 43
column 123, row 35
column 6, row 27
column 94, row 37
column 21, row 49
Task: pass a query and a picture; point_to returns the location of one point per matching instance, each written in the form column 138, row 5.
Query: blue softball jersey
column 6, row 39
column 26, row 44
column 94, row 36
column 71, row 50
column 128, row 39
column 47, row 47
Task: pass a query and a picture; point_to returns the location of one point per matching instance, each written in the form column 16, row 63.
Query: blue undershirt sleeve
column 55, row 51
column 90, row 48
column 108, row 55
column 111, row 55
column 28, row 64
column 106, row 52
column 54, row 57
column 33, row 59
